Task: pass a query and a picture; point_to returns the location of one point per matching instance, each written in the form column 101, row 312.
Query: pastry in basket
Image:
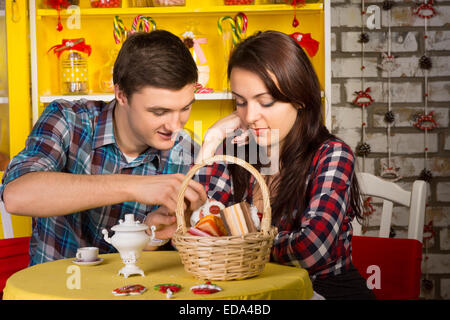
column 212, row 225
column 211, row 206
column 240, row 219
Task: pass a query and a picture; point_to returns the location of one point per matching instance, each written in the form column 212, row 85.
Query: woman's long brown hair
column 275, row 53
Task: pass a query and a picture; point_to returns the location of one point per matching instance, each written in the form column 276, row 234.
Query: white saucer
column 88, row 263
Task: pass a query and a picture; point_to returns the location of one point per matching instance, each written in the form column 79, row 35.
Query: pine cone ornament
column 426, row 175
column 388, row 4
column 364, row 37
column 389, row 117
column 427, row 284
column 392, row 233
column 425, row 63
column 363, row 149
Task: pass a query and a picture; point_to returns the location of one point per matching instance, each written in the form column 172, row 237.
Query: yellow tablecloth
column 49, row 281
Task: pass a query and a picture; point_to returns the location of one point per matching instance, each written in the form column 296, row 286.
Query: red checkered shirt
column 322, row 244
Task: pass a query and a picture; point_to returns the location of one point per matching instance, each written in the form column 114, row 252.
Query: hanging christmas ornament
column 363, row 149
column 425, row 63
column 425, row 10
column 388, row 4
column 390, row 173
column 58, row 4
column 426, row 121
column 388, row 63
column 426, row 175
column 363, row 37
column 295, row 3
column 389, row 117
column 363, row 98
column 306, row 42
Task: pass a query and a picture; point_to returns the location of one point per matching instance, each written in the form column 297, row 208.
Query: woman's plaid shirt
column 322, row 243
column 78, row 137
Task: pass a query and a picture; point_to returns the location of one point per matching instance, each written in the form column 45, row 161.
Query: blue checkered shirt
column 78, row 137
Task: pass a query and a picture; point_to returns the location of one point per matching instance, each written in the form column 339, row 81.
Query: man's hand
column 163, row 190
column 165, row 223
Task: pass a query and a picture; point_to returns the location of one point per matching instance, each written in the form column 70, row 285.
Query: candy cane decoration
column 119, row 32
column 142, row 23
column 235, row 33
column 241, row 21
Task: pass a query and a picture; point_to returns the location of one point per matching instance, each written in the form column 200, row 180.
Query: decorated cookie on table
column 206, row 288
column 168, row 288
column 134, row 289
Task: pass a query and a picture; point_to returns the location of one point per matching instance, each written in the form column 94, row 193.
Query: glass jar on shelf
column 163, row 3
column 106, row 73
column 238, row 2
column 73, row 66
column 141, row 3
column 197, row 42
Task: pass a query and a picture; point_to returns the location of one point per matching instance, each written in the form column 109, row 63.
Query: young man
column 88, row 163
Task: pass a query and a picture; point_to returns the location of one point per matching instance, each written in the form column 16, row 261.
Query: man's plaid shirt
column 78, row 137
column 322, row 244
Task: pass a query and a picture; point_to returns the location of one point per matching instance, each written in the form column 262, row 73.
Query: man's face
column 154, row 116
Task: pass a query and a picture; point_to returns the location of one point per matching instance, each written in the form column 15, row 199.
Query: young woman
column 313, row 188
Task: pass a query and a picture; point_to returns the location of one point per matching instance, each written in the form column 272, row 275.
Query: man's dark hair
column 157, row 59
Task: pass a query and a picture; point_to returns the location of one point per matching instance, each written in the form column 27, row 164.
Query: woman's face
column 269, row 120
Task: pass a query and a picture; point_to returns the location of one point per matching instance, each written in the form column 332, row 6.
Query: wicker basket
column 229, row 257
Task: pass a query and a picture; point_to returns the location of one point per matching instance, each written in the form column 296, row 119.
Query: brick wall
column 407, row 94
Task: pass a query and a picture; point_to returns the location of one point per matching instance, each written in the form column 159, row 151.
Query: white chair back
column 391, row 193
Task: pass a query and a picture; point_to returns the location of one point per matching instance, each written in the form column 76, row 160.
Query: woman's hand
column 218, row 132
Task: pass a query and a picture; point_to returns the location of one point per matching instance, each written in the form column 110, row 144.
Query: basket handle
column 267, row 211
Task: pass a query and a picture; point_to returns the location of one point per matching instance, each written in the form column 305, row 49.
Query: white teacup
column 87, row 254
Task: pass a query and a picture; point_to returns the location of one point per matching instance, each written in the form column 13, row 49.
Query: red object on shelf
column 106, row 3
column 13, row 257
column 237, row 2
column 398, row 262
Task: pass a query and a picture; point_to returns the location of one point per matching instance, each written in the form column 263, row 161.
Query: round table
column 62, row 279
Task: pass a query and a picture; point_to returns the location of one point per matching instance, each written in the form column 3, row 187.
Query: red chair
column 13, row 257
column 391, row 266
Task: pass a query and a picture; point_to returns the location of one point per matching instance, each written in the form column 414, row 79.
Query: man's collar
column 104, row 133
column 104, row 127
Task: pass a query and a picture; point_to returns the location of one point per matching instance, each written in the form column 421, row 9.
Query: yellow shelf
column 109, row 96
column 250, row 9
